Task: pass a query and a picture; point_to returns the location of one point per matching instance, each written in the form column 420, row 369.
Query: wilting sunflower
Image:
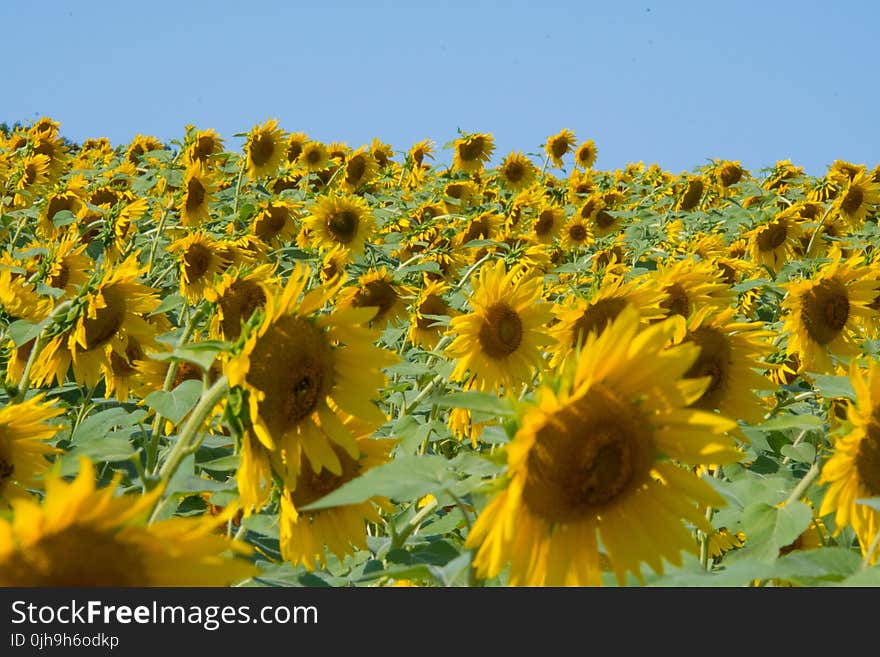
column 383, row 153
column 344, row 221
column 67, row 265
column 377, row 289
column 425, row 328
column 559, row 145
column 200, row 260
column 853, row 471
column 472, row 152
column 860, row 197
column 114, row 310
column 83, row 536
column 459, row 195
column 198, row 193
column 776, row 242
column 298, row 366
column 360, row 170
column 731, row 354
column 265, row 149
column 517, row 171
column 585, row 155
column 729, row 173
column 276, row 222
column 589, row 464
column 314, row 157
column 237, row 295
column 333, row 264
column 580, row 318
column 826, row 314
column 342, row 529
column 24, row 430
column 499, row 342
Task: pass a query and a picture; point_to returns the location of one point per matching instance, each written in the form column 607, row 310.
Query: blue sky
column 675, row 83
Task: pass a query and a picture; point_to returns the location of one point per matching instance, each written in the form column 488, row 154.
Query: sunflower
column 731, row 354
column 66, row 200
column 304, row 534
column 298, row 365
column 203, row 145
column 580, row 318
column 34, row 175
column 200, row 261
column 68, row 267
column 472, row 152
column 517, row 171
column 499, row 342
column 381, row 152
column 459, row 195
column 559, row 145
column 692, row 284
column 826, row 314
column 19, row 299
column 425, row 328
column 575, row 233
column 547, row 224
column 360, row 170
column 377, row 289
column 729, row 173
column 333, row 264
column 691, row 194
column 295, row 143
column 585, row 155
column 24, row 430
column 113, row 311
column 276, row 222
column 580, row 185
column 853, row 470
column 859, row 198
column 237, row 295
column 485, row 226
column 777, row 241
column 314, row 156
column 198, row 193
column 589, row 464
column 140, row 146
column 84, row 536
column 345, row 221
column 265, row 149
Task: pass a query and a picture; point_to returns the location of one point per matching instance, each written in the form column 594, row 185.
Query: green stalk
column 39, row 343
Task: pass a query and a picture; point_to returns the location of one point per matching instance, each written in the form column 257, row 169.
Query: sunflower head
column 585, row 155
column 472, row 152
column 264, row 149
column 341, row 221
column 559, row 145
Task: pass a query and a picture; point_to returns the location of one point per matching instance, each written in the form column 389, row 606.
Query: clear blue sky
column 669, row 82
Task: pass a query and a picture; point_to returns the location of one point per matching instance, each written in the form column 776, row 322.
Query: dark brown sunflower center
column 588, row 209
column 678, row 302
column 852, row 201
column 238, row 304
column 124, row 365
column 772, row 237
column 514, row 172
column 195, row 194
column 596, row 318
column 559, row 147
column 544, row 223
column 104, row 196
column 471, row 150
column 604, row 219
column 730, row 175
column 355, row 169
column 197, row 261
column 262, row 148
column 292, row 364
column 294, row 150
column 311, row 486
column 728, row 273
column 6, row 471
column 107, row 321
column 204, row 147
column 586, row 456
column 342, row 226
column 31, row 173
column 609, row 256
column 430, row 305
column 379, row 293
column 577, row 233
column 692, row 195
column 313, row 156
column 478, row 229
column 868, row 457
column 59, row 278
column 714, row 361
column 59, row 203
column 501, row 331
column 80, row 557
column 271, row 222
column 825, row 310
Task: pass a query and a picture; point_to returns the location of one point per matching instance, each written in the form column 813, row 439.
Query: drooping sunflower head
column 265, row 149
column 585, row 155
column 517, row 171
column 299, row 367
column 729, row 173
column 198, row 193
column 203, row 145
column 343, row 221
column 691, row 284
column 428, row 311
column 68, row 266
column 422, row 150
column 472, row 152
column 691, row 194
column 559, row 145
column 459, row 195
column 547, row 223
column 383, row 153
column 595, row 460
column 580, row 186
column 296, row 141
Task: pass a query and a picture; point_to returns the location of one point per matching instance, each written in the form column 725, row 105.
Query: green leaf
column 741, row 573
column 478, row 402
column 802, row 452
column 172, row 301
column 814, row 567
column 770, row 528
column 222, row 464
column 185, row 481
column 175, row 404
column 791, row 421
column 22, row 331
column 202, row 354
column 868, row 577
column 405, row 478
column 108, row 449
column 99, row 425
column 834, row 386
column 63, row 218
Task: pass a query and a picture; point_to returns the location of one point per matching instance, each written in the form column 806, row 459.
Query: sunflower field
column 305, row 364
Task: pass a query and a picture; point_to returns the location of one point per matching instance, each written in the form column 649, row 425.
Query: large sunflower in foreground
column 299, row 365
column 499, row 342
column 590, row 466
column 24, row 430
column 84, row 536
column 853, row 471
column 826, row 314
column 344, row 221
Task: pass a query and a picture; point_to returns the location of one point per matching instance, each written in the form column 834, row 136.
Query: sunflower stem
column 238, row 189
column 866, row 561
column 24, row 381
column 422, row 394
column 816, row 232
column 159, row 228
column 189, row 440
column 803, row 485
column 400, row 539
